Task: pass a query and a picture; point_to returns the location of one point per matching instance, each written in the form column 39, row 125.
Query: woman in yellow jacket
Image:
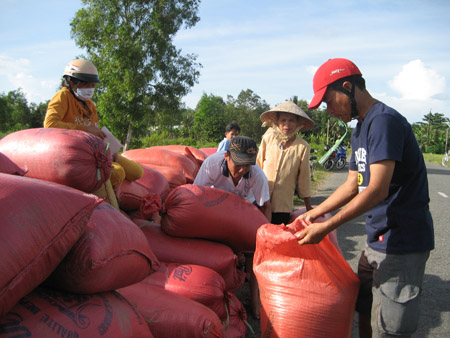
column 72, row 108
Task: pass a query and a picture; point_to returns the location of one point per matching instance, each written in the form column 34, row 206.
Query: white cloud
column 418, row 82
column 19, row 74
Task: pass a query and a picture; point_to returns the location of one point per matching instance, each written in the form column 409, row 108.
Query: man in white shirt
column 236, row 171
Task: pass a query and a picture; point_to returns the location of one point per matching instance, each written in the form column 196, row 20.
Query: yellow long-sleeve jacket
column 65, row 111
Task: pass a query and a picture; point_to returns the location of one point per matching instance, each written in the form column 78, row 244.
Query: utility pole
column 328, row 129
column 446, row 141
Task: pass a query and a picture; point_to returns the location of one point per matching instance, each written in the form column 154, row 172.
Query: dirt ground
column 243, row 295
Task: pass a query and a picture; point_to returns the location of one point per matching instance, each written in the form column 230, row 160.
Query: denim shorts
column 390, row 291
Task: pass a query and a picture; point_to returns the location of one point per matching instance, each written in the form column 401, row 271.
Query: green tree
column 436, row 125
column 142, row 72
column 20, row 112
column 14, row 111
column 209, row 118
column 4, row 119
column 37, row 114
column 245, row 110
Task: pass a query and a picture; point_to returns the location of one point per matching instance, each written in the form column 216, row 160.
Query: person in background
column 387, row 181
column 231, row 130
column 236, row 171
column 72, row 108
column 284, row 157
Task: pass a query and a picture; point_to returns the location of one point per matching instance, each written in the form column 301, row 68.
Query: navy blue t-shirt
column 402, row 222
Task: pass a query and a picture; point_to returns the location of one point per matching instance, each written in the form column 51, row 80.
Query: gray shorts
column 390, row 291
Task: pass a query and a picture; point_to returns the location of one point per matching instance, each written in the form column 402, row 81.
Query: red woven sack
column 70, row 157
column 155, row 182
column 209, row 151
column 193, row 153
column 40, row 222
column 48, row 313
column 165, row 158
column 170, row 315
column 174, row 177
column 238, row 325
column 194, row 282
column 202, row 212
column 112, row 253
column 9, row 167
column 213, row 255
column 133, row 196
column 332, row 235
column 306, row 291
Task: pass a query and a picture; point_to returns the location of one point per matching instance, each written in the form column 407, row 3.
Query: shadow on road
column 435, row 301
column 433, row 171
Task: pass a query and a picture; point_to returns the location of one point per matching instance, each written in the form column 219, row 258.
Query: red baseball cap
column 330, row 71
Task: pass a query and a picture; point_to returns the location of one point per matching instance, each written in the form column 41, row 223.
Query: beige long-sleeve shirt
column 284, row 169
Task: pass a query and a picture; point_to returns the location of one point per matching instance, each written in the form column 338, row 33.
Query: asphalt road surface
column 434, row 319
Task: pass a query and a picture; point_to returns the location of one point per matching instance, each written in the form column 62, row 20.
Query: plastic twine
column 99, row 176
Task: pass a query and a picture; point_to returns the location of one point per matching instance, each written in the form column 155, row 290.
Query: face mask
column 84, row 93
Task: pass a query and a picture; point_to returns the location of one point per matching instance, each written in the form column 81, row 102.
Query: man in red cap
column 387, row 181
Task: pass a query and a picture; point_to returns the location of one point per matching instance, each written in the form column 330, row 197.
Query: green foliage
column 209, row 118
column 432, row 133
column 165, row 138
column 144, row 76
column 246, row 110
column 16, row 114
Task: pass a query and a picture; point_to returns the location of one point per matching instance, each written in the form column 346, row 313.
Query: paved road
column 435, row 310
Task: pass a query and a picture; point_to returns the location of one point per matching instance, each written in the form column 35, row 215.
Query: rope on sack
column 99, row 176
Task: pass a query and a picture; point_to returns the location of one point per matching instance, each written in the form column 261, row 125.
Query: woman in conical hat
column 284, row 158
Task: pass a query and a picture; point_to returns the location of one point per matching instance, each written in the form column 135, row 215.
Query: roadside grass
column 433, row 158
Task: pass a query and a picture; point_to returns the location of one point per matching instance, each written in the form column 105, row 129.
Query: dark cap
column 243, row 150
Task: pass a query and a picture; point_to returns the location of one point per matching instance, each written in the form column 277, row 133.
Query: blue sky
column 271, row 47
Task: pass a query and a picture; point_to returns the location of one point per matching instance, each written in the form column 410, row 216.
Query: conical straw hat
column 269, row 117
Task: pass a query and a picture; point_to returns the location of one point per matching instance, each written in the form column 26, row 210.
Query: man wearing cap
column 236, row 171
column 387, row 182
column 284, row 158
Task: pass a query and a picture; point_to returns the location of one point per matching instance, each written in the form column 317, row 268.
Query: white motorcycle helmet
column 82, row 70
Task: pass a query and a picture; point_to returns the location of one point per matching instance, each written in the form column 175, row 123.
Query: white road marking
column 442, row 194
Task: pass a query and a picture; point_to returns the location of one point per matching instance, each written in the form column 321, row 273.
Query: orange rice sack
column 9, row 167
column 194, row 211
column 171, row 315
column 112, row 253
column 195, row 282
column 40, row 222
column 213, row 255
column 332, row 235
column 133, row 196
column 69, row 157
column 49, row 313
column 164, row 157
column 155, row 182
column 306, row 291
column 209, row 151
column 193, row 153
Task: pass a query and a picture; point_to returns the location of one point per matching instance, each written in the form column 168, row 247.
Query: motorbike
column 337, row 158
column 337, row 154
